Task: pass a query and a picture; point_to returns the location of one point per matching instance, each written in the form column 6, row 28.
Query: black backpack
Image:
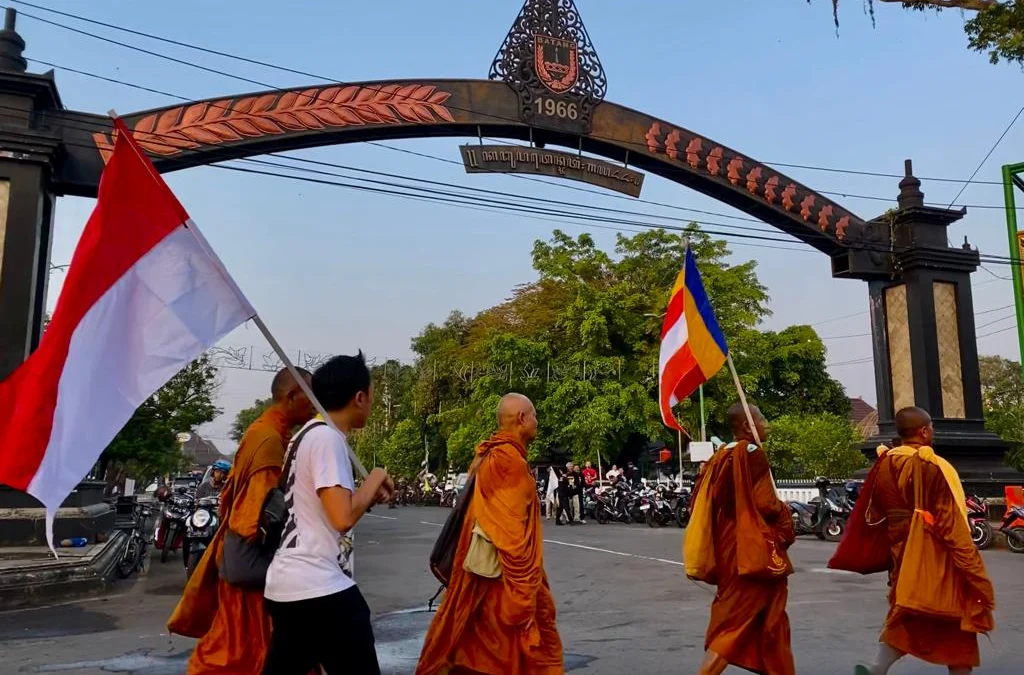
column 442, row 556
column 245, row 562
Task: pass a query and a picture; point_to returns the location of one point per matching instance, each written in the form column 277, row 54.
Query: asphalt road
column 624, row 607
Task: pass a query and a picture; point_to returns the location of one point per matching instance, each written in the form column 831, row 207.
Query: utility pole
column 1011, row 179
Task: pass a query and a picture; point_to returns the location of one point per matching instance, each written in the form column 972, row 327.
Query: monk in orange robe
column 231, row 623
column 504, row 623
column 749, row 627
column 952, row 642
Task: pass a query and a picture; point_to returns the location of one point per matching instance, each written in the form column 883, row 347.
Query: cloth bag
column 245, row 561
column 919, row 588
column 699, row 540
column 759, row 554
column 864, row 548
column 442, row 555
column 482, row 557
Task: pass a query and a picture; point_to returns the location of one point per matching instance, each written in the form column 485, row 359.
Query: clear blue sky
column 335, row 270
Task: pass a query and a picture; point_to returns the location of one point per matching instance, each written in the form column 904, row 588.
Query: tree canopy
column 806, row 446
column 582, row 342
column 993, row 26
column 246, row 416
column 1002, row 394
column 147, row 445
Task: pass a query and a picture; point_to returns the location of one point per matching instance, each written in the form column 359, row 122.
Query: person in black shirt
column 565, row 490
column 577, row 494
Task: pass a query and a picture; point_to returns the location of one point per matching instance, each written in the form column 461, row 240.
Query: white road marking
column 423, row 522
column 609, row 551
column 374, row 515
column 826, row 570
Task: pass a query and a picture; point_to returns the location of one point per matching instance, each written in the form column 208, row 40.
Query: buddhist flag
column 144, row 296
column 692, row 345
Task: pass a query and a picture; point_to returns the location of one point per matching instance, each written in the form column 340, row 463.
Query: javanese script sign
column 518, row 159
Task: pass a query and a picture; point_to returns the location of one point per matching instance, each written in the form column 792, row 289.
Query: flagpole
column 679, row 433
column 746, row 411
column 703, row 430
column 275, row 345
column 205, row 245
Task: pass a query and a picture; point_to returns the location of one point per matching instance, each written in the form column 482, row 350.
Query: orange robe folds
column 942, row 641
column 749, row 627
column 502, row 626
column 232, row 624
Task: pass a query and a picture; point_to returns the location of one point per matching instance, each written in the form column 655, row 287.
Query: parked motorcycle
column 977, row 517
column 824, row 517
column 681, row 496
column 136, row 550
column 170, row 532
column 659, row 510
column 613, row 503
column 1013, row 528
column 199, row 531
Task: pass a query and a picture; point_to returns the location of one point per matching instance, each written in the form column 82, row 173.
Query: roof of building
column 864, row 417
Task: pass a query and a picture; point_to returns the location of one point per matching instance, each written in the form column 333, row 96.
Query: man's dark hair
column 337, row 382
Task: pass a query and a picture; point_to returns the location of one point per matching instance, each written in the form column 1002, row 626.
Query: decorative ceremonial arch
column 546, row 86
column 215, row 130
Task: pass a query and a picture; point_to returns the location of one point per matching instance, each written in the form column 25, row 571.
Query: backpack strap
column 293, row 448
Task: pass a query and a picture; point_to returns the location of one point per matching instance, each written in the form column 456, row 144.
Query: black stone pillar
column 28, row 154
column 925, row 349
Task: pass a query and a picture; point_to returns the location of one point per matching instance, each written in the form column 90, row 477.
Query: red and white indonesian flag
column 144, row 296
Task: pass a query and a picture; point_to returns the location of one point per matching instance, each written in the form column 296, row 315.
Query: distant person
column 320, row 617
column 232, row 623
column 577, row 493
column 589, row 475
column 504, row 622
column 633, row 474
column 551, row 494
column 212, row 486
column 565, row 490
column 614, row 473
column 894, row 498
column 751, row 530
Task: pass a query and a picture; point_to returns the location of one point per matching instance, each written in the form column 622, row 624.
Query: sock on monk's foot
column 883, row 662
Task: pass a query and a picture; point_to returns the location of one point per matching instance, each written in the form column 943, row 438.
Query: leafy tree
column 246, row 416
column 147, row 445
column 995, row 26
column 1002, row 393
column 582, row 341
column 805, row 446
column 402, row 452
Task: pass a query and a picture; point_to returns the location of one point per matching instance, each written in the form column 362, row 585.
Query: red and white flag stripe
column 144, row 296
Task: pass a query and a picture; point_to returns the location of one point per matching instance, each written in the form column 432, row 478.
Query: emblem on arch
column 556, row 61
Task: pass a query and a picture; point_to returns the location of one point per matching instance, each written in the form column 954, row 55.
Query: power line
column 269, row 86
column 587, row 218
column 997, row 332
column 293, row 71
column 988, row 154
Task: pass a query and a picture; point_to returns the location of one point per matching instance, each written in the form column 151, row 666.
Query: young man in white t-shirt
column 319, row 616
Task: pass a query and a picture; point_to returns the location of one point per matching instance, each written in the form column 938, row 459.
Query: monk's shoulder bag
column 245, row 561
column 442, row 556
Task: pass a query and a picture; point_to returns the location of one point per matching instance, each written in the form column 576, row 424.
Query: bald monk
column 503, row 625
column 943, row 641
column 749, row 627
column 231, row 622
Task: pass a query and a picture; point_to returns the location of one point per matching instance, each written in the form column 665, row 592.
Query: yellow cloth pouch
column 482, row 557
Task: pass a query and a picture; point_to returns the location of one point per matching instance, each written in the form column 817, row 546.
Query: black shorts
column 332, row 631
